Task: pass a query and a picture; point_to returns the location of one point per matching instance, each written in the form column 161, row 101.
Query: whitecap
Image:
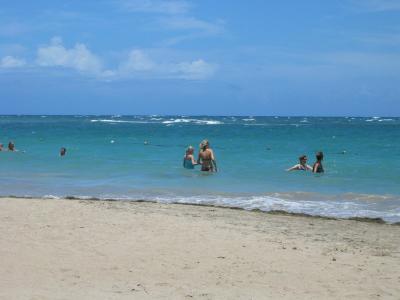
column 118, row 121
column 196, row 121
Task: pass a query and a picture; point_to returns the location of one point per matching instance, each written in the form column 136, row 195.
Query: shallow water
column 107, row 158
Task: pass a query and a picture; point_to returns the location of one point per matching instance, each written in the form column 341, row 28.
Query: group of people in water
column 10, row 147
column 205, row 159
column 303, row 166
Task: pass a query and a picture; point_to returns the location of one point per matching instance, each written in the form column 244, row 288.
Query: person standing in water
column 302, row 165
column 63, row 151
column 317, row 167
column 207, row 158
column 188, row 158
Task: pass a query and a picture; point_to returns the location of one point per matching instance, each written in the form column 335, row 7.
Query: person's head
column 63, row 151
column 204, row 145
column 319, row 155
column 11, row 146
column 189, row 150
column 303, row 159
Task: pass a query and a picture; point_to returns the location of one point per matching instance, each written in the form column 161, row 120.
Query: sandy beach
column 75, row 249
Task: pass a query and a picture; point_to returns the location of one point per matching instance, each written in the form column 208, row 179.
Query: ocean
column 140, row 158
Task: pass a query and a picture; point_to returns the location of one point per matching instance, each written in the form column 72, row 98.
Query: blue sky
column 210, row 57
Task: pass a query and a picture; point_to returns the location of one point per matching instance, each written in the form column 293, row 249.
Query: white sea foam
column 194, row 121
column 249, row 119
column 333, row 208
column 51, row 197
column 118, row 121
column 339, row 206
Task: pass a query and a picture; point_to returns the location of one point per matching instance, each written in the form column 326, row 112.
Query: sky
column 204, row 57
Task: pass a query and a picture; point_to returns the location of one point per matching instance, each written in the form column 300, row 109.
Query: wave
column 195, row 121
column 267, row 204
column 118, row 121
column 345, row 206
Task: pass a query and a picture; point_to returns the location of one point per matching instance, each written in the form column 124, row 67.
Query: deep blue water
column 107, row 158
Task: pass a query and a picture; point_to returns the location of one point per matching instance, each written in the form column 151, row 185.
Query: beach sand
column 75, row 249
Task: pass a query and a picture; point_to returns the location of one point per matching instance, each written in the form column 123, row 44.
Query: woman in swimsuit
column 206, row 158
column 188, row 159
column 302, row 165
column 317, row 167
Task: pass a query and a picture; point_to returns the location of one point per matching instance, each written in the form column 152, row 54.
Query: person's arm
column 315, row 167
column 199, row 159
column 295, row 167
column 214, row 162
column 309, row 167
column 193, row 161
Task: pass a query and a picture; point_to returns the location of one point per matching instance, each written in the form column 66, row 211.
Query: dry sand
column 70, row 249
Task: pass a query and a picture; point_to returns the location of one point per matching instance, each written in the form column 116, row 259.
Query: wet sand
column 81, row 249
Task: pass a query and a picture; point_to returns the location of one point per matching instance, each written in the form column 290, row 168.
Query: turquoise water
column 107, row 158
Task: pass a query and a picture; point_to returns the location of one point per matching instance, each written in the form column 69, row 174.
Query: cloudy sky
column 210, row 57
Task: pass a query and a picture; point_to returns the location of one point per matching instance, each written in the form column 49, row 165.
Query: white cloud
column 197, row 69
column 139, row 64
column 174, row 15
column 11, row 62
column 79, row 57
column 137, row 61
column 156, row 6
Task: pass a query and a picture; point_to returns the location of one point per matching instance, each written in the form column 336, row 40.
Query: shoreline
column 256, row 210
column 93, row 249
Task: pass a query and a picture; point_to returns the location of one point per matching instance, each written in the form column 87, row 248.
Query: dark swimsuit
column 208, row 167
column 320, row 168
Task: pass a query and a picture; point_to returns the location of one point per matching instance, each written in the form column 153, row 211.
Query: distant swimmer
column 302, row 165
column 317, row 167
column 11, row 146
column 188, row 159
column 1, row 147
column 206, row 158
column 63, row 151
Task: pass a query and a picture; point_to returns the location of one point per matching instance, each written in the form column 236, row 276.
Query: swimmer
column 188, row 158
column 206, row 158
column 302, row 165
column 317, row 167
column 1, row 147
column 63, row 151
column 11, row 146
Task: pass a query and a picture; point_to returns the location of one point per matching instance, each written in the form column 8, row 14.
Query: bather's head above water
column 303, row 159
column 11, row 146
column 189, row 150
column 63, row 151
